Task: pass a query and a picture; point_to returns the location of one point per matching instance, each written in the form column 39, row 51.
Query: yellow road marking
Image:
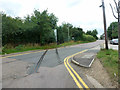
column 74, row 78
column 20, row 54
column 80, row 79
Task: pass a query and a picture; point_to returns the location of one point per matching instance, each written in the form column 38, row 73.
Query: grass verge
column 109, row 59
column 21, row 48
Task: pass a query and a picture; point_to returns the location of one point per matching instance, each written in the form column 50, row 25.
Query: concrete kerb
column 77, row 63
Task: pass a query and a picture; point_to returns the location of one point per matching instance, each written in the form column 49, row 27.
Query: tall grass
column 9, row 48
column 109, row 59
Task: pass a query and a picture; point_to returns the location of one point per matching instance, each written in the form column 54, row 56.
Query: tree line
column 112, row 31
column 39, row 28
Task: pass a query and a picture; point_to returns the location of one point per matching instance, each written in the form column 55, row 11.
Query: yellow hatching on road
column 72, row 72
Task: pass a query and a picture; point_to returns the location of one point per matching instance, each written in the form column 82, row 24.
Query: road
column 54, row 70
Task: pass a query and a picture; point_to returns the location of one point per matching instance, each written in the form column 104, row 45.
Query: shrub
column 88, row 38
column 19, row 47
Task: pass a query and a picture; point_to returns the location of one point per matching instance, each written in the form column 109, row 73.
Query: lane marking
column 74, row 78
column 20, row 54
column 77, row 75
column 80, row 79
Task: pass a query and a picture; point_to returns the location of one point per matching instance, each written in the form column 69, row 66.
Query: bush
column 88, row 38
column 19, row 47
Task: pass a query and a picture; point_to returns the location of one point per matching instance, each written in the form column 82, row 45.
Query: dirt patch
column 98, row 72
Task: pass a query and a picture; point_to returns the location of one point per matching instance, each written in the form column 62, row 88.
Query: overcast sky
column 81, row 13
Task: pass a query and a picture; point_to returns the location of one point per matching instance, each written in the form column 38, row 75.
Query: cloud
column 10, row 8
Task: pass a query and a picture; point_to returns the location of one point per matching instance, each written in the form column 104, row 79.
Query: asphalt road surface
column 53, row 69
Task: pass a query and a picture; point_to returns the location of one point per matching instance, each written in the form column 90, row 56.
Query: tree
column 112, row 30
column 77, row 33
column 10, row 28
column 0, row 30
column 117, row 5
column 63, row 32
column 92, row 33
column 45, row 24
column 37, row 28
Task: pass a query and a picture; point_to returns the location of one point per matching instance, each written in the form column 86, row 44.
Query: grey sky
column 84, row 13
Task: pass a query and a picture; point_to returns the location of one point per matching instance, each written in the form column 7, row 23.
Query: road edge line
column 77, row 75
column 20, row 54
column 72, row 75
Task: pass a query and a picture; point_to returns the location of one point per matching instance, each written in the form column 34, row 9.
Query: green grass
column 21, row 48
column 109, row 59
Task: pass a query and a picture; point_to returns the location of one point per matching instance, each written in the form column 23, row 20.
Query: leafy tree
column 75, row 32
column 37, row 28
column 11, row 27
column 45, row 25
column 0, row 29
column 92, row 33
column 112, row 31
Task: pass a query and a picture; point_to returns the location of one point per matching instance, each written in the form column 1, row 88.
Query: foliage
column 92, row 33
column 88, row 38
column 112, row 30
column 38, row 28
column 20, row 48
column 75, row 33
column 109, row 59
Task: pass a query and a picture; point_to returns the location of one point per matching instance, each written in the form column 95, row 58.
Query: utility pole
column 68, row 34
column 104, row 21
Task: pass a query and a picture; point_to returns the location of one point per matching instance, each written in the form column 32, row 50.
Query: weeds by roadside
column 109, row 59
column 7, row 49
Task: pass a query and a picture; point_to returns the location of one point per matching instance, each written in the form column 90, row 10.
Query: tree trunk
column 119, row 42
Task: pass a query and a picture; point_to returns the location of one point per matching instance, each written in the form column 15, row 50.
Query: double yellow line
column 74, row 74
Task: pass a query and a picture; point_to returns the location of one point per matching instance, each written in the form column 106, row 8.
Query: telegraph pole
column 104, row 21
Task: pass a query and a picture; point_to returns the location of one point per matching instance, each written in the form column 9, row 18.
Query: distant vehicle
column 114, row 41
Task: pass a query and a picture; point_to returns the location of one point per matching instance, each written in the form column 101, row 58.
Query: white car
column 114, row 41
